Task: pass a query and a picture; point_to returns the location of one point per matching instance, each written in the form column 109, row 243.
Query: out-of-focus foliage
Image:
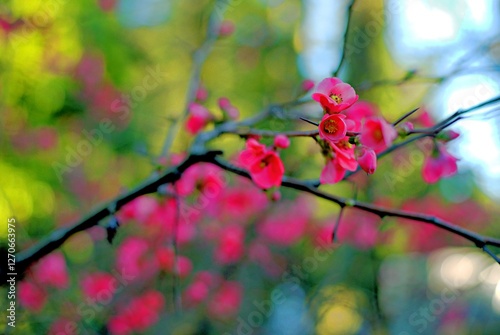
column 88, row 92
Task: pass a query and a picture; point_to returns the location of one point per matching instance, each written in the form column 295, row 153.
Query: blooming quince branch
column 200, row 154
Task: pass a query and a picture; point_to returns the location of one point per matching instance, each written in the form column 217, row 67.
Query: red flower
column 226, row 28
column 307, row 85
column 332, row 173
column 98, row 285
column 52, row 271
column 264, row 165
column 287, row 225
column 335, row 95
column 225, row 105
column 367, row 159
column 230, row 247
column 378, row 134
column 439, row 165
column 138, row 315
column 358, row 112
column 344, row 154
column 226, row 301
column 198, row 118
column 332, row 127
column 281, row 141
column 31, row 296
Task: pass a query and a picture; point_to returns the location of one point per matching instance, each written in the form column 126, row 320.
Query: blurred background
column 90, row 89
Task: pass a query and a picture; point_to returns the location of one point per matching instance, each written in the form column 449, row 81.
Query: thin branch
column 337, row 224
column 405, row 116
column 271, row 133
column 479, row 240
column 346, row 33
column 27, row 257
column 199, row 58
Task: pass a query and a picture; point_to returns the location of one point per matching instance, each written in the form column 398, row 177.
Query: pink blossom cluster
column 264, row 164
column 49, row 273
column 342, row 114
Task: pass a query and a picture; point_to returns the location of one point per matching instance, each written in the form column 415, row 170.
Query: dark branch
column 25, row 258
column 346, row 33
column 479, row 240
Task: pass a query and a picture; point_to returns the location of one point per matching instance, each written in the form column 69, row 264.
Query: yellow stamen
column 330, row 126
column 336, row 98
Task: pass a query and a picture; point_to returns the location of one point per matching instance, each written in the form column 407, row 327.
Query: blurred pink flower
column 440, row 164
column 281, row 141
column 231, row 245
column 358, row 112
column 287, row 224
column 226, row 302
column 332, row 172
column 307, row 85
column 198, row 118
column 52, row 270
column 98, row 285
column 31, row 296
column 226, row 28
column 378, row 134
column 367, row 159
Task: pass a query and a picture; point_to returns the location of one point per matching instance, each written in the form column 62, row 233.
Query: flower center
column 264, row 162
column 330, row 126
column 344, row 145
column 336, row 97
column 377, row 134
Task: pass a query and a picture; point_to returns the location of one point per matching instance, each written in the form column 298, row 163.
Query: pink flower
column 332, row 173
column 226, row 28
column 367, row 159
column 201, row 94
column 264, row 165
column 139, row 209
column 107, row 5
column 332, row 127
column 281, row 141
column 425, row 118
column 226, row 301
column 226, row 106
column 98, row 285
column 307, row 85
column 198, row 177
column 344, row 154
column 118, row 325
column 268, row 171
column 252, row 153
column 31, row 296
column 230, row 247
column 167, row 259
column 138, row 315
column 378, row 134
column 335, row 95
column 287, row 225
column 132, row 258
column 198, row 118
column 196, row 293
column 51, row 270
column 439, row 164
column 63, row 326
column 358, row 112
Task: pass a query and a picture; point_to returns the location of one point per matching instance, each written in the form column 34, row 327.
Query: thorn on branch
column 111, row 229
column 309, row 121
